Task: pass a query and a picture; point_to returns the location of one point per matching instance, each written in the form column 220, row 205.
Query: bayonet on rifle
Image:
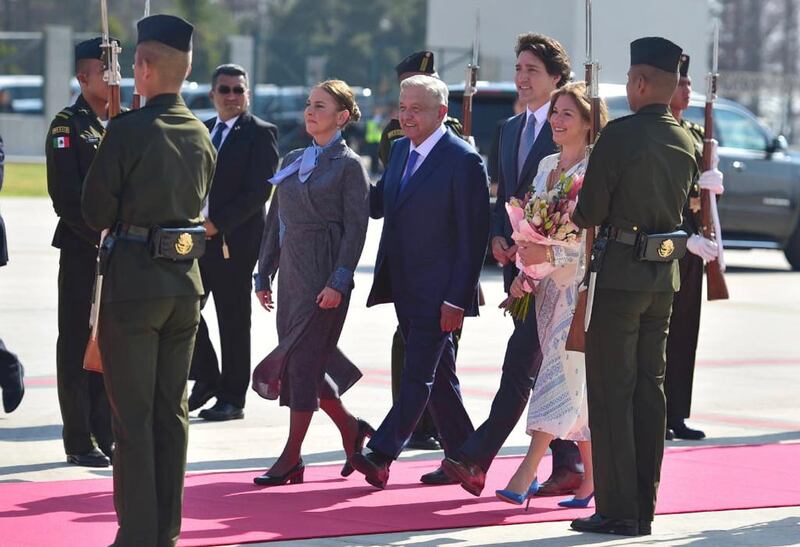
column 471, row 81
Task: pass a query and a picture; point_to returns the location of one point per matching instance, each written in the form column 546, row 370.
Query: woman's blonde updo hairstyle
column 344, row 97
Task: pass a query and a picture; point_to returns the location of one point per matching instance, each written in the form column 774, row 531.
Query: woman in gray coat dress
column 314, row 235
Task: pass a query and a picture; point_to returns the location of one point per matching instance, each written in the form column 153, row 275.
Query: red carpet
column 226, row 508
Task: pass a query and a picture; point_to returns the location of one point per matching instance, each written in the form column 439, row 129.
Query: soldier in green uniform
column 684, row 324
column 147, row 186
column 70, row 146
column 635, row 189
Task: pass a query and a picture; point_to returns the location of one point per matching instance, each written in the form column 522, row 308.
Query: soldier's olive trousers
column 625, row 363
column 81, row 395
column 146, row 348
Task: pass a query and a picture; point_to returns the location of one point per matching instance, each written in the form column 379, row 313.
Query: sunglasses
column 225, row 90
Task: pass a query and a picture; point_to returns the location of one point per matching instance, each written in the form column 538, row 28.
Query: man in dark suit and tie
column 247, row 156
column 434, row 190
column 542, row 66
column 11, row 370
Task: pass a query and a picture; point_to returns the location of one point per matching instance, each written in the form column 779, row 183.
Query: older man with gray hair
column 434, row 190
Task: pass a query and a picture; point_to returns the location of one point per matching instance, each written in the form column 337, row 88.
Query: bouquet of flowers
column 546, row 220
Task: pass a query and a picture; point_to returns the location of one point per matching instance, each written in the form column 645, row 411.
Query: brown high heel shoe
column 364, row 430
column 292, row 476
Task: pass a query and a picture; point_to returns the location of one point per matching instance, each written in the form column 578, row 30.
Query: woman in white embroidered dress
column 558, row 406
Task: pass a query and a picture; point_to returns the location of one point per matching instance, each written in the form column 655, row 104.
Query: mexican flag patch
column 61, row 142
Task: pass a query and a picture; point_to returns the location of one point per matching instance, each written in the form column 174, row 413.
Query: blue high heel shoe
column 509, row 496
column 578, row 503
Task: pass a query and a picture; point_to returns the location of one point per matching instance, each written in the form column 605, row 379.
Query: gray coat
column 314, row 235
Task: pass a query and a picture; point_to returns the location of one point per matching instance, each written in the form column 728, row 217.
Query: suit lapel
column 511, row 134
column 395, row 174
column 542, row 144
column 430, row 163
column 235, row 131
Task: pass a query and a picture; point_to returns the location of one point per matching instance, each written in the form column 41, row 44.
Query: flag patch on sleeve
column 61, row 142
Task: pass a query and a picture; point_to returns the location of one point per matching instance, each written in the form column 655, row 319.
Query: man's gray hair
column 436, row 88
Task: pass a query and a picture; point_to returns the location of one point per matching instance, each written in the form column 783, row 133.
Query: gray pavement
column 745, row 389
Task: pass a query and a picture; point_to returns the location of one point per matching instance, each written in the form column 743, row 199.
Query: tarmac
column 745, row 390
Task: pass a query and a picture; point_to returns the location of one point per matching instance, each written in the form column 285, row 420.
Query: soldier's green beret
column 90, row 49
column 656, row 52
column 421, row 61
column 167, row 29
column 684, row 65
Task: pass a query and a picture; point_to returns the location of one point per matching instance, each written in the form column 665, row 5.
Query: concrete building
column 616, row 23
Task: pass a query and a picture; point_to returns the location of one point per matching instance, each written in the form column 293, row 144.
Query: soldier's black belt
column 170, row 243
column 664, row 247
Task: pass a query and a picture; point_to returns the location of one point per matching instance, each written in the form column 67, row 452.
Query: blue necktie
column 216, row 140
column 526, row 143
column 412, row 160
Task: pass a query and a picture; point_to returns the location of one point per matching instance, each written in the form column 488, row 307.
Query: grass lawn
column 25, row 179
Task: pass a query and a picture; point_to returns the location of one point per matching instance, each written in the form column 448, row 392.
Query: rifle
column 576, row 339
column 716, row 287
column 471, row 82
column 111, row 75
column 136, row 103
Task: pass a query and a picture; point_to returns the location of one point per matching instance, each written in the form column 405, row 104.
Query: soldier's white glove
column 711, row 180
column 702, row 247
column 714, row 154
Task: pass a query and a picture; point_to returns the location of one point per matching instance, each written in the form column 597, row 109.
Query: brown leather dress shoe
column 374, row 467
column 437, row 477
column 471, row 477
column 561, row 482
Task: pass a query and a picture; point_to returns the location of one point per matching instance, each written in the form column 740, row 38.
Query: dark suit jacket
column 246, row 159
column 509, row 185
column 434, row 233
column 3, row 244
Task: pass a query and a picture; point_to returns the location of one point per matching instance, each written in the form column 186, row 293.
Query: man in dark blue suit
column 542, row 66
column 11, row 370
column 434, row 190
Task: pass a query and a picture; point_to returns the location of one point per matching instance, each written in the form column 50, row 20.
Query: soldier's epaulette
column 65, row 114
column 395, row 134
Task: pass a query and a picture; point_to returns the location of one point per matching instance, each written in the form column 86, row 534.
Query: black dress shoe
column 470, row 476
column 364, row 430
column 437, row 477
column 201, row 394
column 13, row 388
column 292, row 476
column 562, row 482
column 599, row 524
column 93, row 458
column 681, row 431
column 108, row 450
column 669, row 435
column 222, row 412
column 374, row 467
column 423, row 442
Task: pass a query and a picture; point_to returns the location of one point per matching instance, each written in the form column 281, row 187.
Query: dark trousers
column 625, row 363
column 146, row 347
column 10, row 366
column 231, row 284
column 684, row 326
column 520, row 367
column 429, row 379
column 425, row 427
column 81, row 395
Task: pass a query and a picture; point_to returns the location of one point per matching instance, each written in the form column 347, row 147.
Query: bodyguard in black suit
column 11, row 370
column 542, row 66
column 247, row 157
column 70, row 147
